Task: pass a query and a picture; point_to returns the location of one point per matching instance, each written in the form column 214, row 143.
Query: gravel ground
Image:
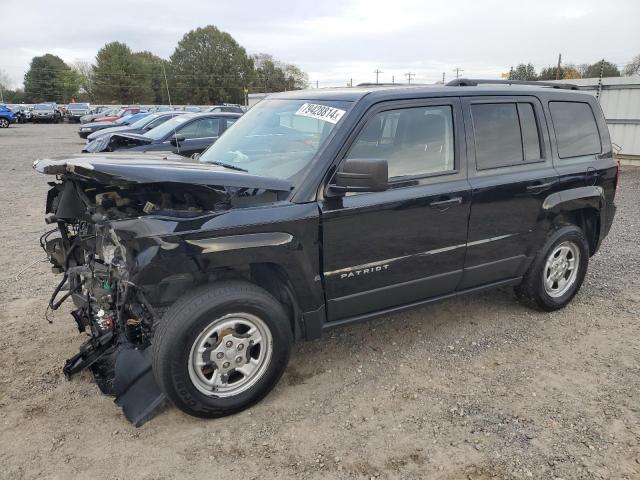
column 472, row 388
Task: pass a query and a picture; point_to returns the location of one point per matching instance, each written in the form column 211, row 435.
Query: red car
column 121, row 113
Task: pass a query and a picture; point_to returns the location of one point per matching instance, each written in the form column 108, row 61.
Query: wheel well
column 269, row 276
column 274, row 279
column 588, row 219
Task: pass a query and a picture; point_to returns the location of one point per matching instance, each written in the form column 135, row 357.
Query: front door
column 386, row 249
column 198, row 135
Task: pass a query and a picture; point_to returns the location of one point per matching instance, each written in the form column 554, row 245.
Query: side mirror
column 177, row 139
column 361, row 175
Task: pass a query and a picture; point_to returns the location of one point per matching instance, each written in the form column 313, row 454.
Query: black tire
column 182, row 325
column 532, row 291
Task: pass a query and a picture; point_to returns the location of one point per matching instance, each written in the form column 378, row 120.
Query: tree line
column 572, row 71
column 208, row 66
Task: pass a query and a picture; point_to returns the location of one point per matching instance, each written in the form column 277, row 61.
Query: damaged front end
column 104, row 211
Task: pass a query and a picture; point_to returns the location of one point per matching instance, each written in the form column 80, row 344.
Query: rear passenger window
column 414, row 141
column 576, row 129
column 505, row 134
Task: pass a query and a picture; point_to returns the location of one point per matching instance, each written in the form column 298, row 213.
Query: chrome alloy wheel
column 230, row 355
column 561, row 269
column 4, row 123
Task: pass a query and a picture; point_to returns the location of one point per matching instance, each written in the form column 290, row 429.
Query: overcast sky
column 335, row 40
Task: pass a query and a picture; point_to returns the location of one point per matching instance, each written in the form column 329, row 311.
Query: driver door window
column 415, row 141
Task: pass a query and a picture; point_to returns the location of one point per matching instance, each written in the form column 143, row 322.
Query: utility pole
column 558, row 69
column 409, row 75
column 393, row 79
column 443, row 78
column 458, row 70
column 317, row 84
column 377, row 71
column 166, row 83
column 351, row 82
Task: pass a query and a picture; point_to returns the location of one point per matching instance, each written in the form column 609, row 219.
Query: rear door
column 511, row 173
column 387, row 249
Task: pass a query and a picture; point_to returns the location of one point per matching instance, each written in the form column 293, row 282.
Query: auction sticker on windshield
column 321, row 112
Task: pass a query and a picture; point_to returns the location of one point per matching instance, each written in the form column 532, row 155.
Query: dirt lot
column 476, row 388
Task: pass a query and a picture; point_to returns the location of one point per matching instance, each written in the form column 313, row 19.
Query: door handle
column 450, row 202
column 540, row 187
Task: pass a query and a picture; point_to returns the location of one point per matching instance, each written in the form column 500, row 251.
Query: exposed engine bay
column 99, row 261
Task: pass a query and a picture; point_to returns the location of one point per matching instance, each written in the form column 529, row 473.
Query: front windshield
column 78, row 106
column 143, row 121
column 122, row 120
column 277, row 138
column 167, row 127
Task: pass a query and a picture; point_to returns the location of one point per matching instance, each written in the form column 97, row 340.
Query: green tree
column 274, row 76
column 150, row 78
column 49, row 79
column 84, row 70
column 609, row 70
column 209, row 66
column 523, row 72
column 115, row 79
column 633, row 67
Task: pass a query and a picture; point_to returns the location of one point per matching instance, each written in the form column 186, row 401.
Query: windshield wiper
column 229, row 166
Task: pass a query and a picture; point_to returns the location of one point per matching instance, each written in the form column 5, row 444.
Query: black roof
column 353, row 94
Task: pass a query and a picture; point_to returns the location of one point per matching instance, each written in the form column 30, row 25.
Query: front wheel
column 221, row 348
column 557, row 272
column 4, row 123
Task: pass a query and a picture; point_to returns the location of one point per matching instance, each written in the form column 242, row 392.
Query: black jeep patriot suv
column 318, row 209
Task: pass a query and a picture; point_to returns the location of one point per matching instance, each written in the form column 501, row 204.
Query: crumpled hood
column 102, row 142
column 116, row 168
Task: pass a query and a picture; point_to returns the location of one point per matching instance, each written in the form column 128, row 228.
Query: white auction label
column 321, row 112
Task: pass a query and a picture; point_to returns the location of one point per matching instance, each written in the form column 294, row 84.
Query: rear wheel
column 4, row 123
column 221, row 348
column 558, row 271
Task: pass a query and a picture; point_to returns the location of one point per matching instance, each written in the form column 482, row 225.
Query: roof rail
column 372, row 84
column 467, row 82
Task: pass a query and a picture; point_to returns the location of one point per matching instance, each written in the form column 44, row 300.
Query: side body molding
column 575, row 199
column 236, row 242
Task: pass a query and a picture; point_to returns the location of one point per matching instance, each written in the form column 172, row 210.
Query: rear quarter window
column 576, row 129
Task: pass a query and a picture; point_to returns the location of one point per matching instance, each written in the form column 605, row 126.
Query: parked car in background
column 144, row 124
column 22, row 113
column 97, row 113
column 7, row 116
column 89, row 128
column 123, row 112
column 185, row 134
column 230, row 108
column 75, row 111
column 46, row 112
column 192, row 109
